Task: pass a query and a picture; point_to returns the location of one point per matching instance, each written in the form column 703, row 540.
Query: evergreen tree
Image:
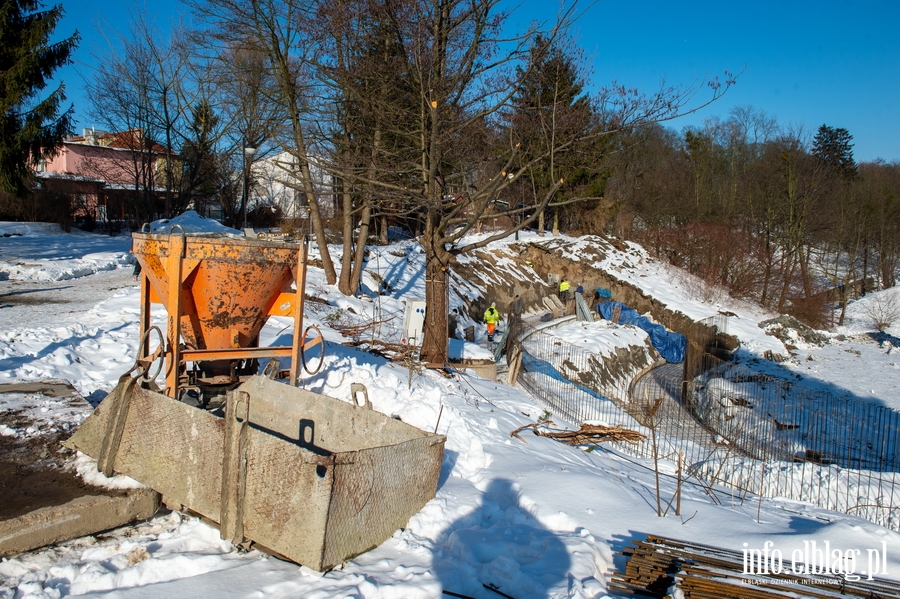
column 202, row 168
column 549, row 106
column 31, row 129
column 833, row 149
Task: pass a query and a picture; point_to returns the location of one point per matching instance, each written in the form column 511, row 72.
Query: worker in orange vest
column 491, row 318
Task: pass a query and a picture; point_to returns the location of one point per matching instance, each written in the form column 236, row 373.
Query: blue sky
column 834, row 62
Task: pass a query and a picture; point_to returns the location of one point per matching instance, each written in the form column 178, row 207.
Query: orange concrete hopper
column 219, row 291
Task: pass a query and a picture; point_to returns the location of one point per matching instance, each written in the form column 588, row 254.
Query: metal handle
column 355, row 390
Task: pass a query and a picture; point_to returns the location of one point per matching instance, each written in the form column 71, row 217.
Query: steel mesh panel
column 376, row 491
column 286, row 498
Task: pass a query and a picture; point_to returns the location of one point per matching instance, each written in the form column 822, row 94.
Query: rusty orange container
column 218, row 291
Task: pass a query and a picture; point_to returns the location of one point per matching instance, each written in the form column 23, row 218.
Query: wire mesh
column 731, row 425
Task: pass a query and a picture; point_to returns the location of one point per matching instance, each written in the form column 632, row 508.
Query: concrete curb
column 82, row 516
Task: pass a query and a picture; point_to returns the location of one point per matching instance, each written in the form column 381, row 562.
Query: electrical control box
column 414, row 323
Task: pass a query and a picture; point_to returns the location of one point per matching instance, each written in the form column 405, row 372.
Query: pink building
column 108, row 175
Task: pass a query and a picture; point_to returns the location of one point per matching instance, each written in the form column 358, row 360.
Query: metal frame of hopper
column 176, row 356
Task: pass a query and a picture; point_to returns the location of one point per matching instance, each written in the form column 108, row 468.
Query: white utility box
column 414, row 323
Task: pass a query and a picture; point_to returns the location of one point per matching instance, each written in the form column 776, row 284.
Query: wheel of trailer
column 145, row 364
column 308, row 344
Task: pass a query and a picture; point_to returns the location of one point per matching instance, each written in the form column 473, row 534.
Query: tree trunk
column 767, row 272
column 353, row 275
column 787, row 277
column 804, row 271
column 865, row 270
column 887, row 272
column 845, row 296
column 364, row 219
column 345, row 285
column 437, row 293
column 318, row 225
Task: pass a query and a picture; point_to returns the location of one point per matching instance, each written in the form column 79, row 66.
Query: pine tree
column 833, row 149
column 549, row 100
column 548, row 106
column 202, row 172
column 31, row 129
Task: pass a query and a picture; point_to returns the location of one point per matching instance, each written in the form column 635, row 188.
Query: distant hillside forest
column 782, row 217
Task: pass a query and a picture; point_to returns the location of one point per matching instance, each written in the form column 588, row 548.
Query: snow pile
column 91, row 353
column 34, row 253
column 86, row 467
column 165, row 548
column 793, row 333
column 601, row 337
column 9, row 229
column 191, row 222
column 882, row 305
column 463, row 350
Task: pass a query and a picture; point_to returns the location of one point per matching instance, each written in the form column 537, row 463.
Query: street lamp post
column 249, row 151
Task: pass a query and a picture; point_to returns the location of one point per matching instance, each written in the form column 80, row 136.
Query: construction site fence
column 729, row 425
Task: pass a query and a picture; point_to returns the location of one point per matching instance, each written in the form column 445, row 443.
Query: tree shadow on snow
column 394, row 276
column 332, row 351
column 500, row 546
column 768, row 410
column 883, row 338
column 806, row 383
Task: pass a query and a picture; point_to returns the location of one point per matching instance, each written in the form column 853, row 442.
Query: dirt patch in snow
column 30, row 294
column 503, row 279
column 36, row 471
column 792, row 332
column 35, row 474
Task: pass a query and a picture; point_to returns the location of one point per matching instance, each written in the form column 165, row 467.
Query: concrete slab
column 77, row 518
column 44, row 499
column 484, row 368
column 48, row 387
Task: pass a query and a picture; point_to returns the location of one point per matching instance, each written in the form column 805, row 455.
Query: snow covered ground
column 534, row 520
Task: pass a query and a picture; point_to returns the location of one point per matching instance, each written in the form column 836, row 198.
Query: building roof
column 119, row 140
column 67, row 177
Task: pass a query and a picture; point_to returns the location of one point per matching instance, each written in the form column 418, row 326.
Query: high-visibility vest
column 491, row 315
column 564, row 286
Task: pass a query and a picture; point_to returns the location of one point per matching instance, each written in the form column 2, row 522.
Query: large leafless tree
column 278, row 30
column 450, row 164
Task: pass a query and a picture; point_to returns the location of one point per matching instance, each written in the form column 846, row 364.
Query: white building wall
column 277, row 181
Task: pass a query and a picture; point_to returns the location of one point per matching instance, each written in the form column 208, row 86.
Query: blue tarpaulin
column 669, row 345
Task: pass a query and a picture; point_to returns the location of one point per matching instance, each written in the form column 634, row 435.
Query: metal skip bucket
column 313, row 478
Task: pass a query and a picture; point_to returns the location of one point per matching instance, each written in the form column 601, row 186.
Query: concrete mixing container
column 310, row 477
column 219, row 291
